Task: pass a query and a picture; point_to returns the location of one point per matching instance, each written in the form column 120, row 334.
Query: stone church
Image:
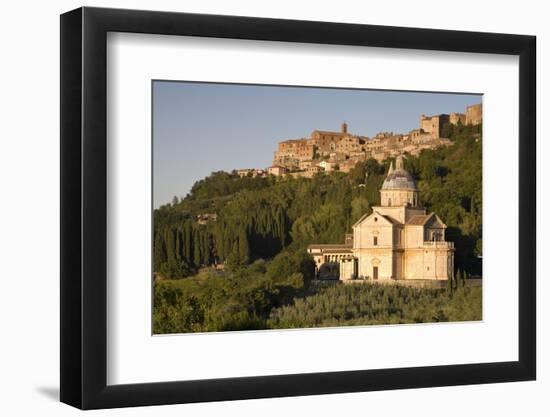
column 397, row 241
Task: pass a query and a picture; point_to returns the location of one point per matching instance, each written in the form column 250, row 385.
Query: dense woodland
column 263, row 226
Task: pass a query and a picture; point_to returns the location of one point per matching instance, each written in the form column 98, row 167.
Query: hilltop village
column 327, row 151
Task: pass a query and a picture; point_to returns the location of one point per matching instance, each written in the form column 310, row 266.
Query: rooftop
column 390, row 219
column 328, row 132
column 419, row 219
column 338, row 246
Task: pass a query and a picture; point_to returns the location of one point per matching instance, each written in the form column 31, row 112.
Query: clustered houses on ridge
column 327, row 151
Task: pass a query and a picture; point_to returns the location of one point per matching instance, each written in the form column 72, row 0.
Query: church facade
column 399, row 240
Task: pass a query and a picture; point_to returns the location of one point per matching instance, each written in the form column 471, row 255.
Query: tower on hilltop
column 344, row 127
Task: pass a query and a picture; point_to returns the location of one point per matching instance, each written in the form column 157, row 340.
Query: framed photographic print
column 258, row 207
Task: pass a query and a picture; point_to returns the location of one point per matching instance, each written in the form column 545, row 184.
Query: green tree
column 458, row 278
column 359, row 206
column 479, row 247
column 244, row 250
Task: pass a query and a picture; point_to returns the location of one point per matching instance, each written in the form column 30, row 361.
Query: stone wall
column 398, row 197
column 434, row 124
column 454, row 118
column 474, row 114
column 289, row 152
column 419, row 283
column 381, row 259
column 426, row 264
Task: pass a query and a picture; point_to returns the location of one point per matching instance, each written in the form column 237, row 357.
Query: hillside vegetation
column 263, row 226
column 368, row 304
column 256, row 297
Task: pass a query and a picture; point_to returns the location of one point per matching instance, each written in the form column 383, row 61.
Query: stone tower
column 344, row 127
column 474, row 114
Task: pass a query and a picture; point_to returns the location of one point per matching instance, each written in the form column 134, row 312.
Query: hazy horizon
column 199, row 128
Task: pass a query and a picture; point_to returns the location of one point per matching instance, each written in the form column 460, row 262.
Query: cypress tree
column 170, row 245
column 244, row 250
column 196, row 248
column 159, row 254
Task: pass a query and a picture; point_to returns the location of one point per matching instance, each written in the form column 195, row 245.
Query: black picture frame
column 84, row 207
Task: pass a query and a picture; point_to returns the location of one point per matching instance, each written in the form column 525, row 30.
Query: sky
column 199, row 128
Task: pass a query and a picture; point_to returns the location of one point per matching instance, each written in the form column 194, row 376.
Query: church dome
column 399, row 178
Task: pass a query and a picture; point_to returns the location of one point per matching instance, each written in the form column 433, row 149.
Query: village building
column 327, row 166
column 418, row 136
column 349, row 144
column 251, row 172
column 277, row 170
column 305, row 164
column 434, row 124
column 455, row 118
column 325, row 141
column 205, row 218
column 291, row 152
column 313, row 170
column 358, row 156
column 245, row 172
column 399, row 240
column 474, row 114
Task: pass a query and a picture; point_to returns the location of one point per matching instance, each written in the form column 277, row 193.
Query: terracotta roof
column 343, row 250
column 305, row 140
column 419, row 219
column 390, row 219
column 336, row 246
column 364, row 216
column 328, row 132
